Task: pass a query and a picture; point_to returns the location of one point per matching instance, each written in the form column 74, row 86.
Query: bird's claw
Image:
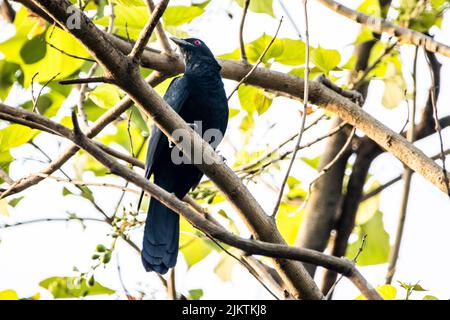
column 193, row 126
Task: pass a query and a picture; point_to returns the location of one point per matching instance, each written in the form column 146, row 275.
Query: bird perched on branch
column 199, row 98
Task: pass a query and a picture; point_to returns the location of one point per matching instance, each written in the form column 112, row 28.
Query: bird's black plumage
column 198, row 95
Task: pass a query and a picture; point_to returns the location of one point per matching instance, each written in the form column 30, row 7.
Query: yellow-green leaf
column 8, row 295
column 386, row 291
column 325, row 59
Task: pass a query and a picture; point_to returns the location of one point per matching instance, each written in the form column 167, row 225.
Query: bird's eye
column 198, row 43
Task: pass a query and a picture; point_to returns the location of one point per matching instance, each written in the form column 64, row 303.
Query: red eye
column 198, row 43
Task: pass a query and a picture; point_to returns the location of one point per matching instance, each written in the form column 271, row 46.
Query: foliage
column 37, row 55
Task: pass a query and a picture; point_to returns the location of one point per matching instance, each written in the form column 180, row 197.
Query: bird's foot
column 193, row 126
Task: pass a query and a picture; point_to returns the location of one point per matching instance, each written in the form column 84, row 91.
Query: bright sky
column 32, row 253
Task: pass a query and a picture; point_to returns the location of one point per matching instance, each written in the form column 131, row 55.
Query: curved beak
column 181, row 43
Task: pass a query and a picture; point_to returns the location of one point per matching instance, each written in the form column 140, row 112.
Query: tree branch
column 145, row 34
column 252, row 247
column 129, row 79
column 379, row 25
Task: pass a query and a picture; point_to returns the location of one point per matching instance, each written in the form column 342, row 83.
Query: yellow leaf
column 4, row 208
column 386, row 291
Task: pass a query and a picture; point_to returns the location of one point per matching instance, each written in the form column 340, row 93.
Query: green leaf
column 370, row 7
column 225, row 267
column 33, row 51
column 285, row 51
column 14, row 202
column 376, row 248
column 54, row 63
column 364, row 36
column 429, row 297
column 394, row 92
column 122, row 137
column 411, row 287
column 312, row 162
column 193, row 247
column 259, row 6
column 179, row 15
column 129, row 21
column 5, row 161
column 288, row 221
column 7, row 77
column 195, row 294
column 48, row 103
column 105, row 95
column 253, row 99
column 247, row 124
column 15, row 135
column 325, row 59
column 233, row 112
column 4, row 208
column 386, row 291
column 68, row 287
column 131, row 3
column 295, row 191
column 8, row 295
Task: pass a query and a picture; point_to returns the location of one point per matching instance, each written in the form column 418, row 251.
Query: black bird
column 198, row 97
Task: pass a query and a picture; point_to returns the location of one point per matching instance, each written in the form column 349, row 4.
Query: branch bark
column 127, row 76
column 380, row 26
column 251, row 247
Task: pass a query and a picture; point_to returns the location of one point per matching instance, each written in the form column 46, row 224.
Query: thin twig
column 87, row 80
column 145, row 34
column 66, row 53
column 389, row 183
column 40, row 220
column 160, row 34
column 36, row 100
column 257, row 62
column 437, row 124
column 241, row 31
column 305, row 112
column 291, row 20
column 360, row 249
column 407, row 174
column 327, row 168
column 82, row 97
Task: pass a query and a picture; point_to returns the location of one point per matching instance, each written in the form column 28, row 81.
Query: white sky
column 32, row 253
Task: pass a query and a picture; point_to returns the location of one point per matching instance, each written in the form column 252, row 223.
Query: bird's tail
column 161, row 237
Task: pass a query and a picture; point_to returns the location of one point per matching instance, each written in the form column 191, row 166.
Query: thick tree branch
column 252, row 247
column 128, row 78
column 109, row 116
column 379, row 26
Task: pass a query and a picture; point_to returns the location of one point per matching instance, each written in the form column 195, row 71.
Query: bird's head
column 195, row 53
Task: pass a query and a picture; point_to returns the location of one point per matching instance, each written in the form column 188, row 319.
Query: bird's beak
column 181, row 43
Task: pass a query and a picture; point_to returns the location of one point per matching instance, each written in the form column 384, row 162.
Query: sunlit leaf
column 68, row 287
column 325, row 59
column 14, row 136
column 386, row 291
column 289, row 219
column 193, row 247
column 179, row 15
column 105, row 95
column 253, row 99
column 370, row 7
column 376, row 247
column 259, row 6
column 8, row 295
column 224, row 267
column 195, row 294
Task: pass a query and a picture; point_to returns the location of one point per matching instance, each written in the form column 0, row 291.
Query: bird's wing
column 175, row 96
